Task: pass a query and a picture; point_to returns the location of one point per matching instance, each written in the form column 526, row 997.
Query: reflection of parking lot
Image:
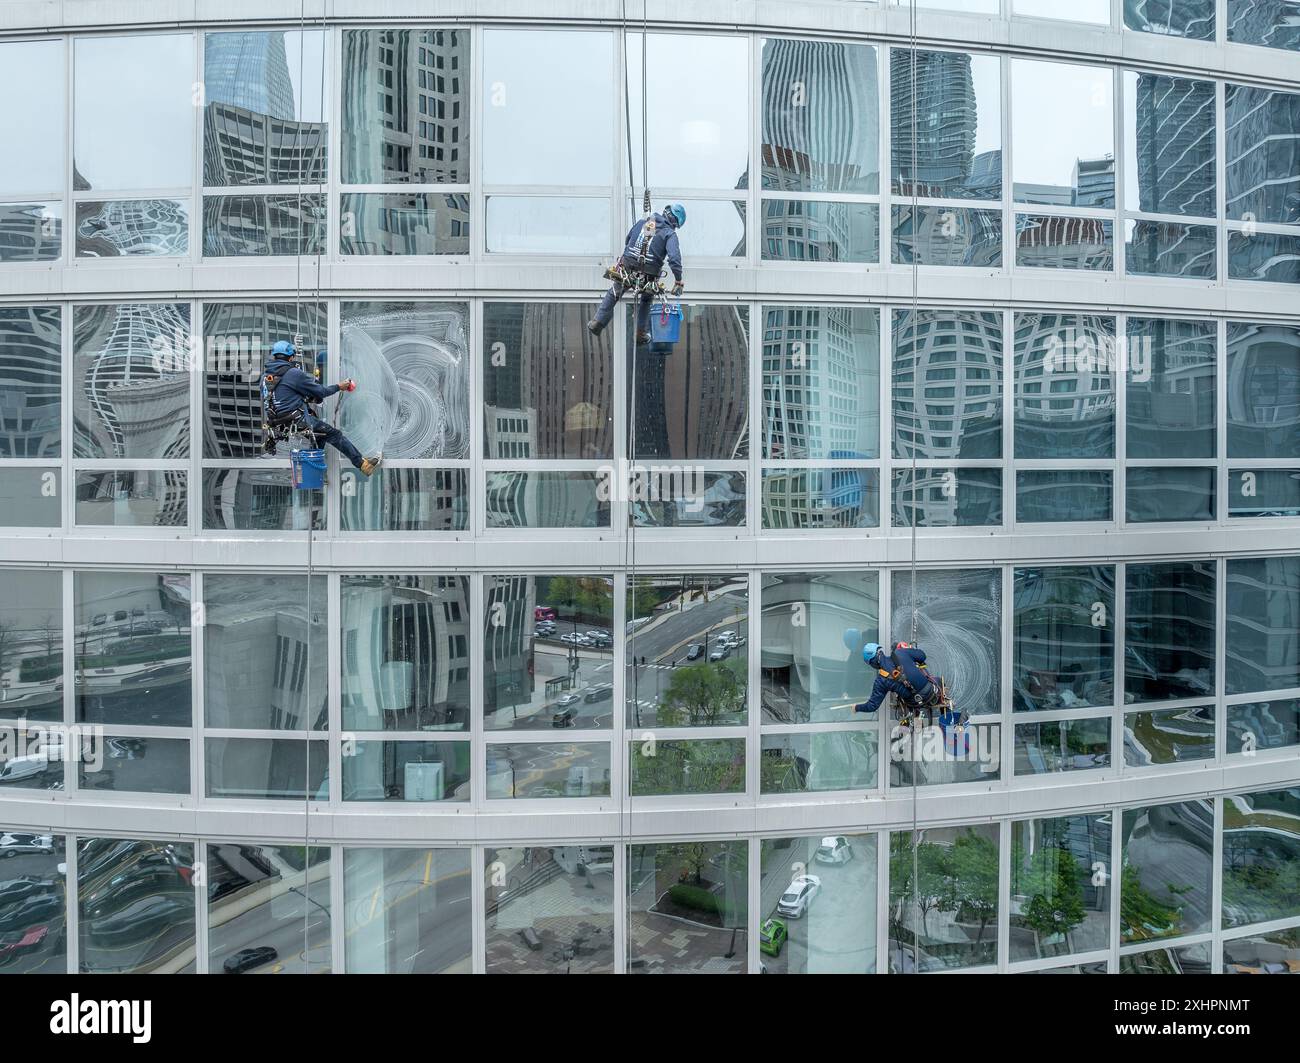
column 32, row 915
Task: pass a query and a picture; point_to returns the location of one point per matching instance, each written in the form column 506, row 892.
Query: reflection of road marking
column 428, row 866
column 374, row 903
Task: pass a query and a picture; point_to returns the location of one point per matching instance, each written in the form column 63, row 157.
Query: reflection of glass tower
column 1264, row 387
column 1262, row 141
column 1175, row 138
column 825, row 140
column 1065, row 384
column 29, row 386
column 30, row 232
column 132, row 227
column 943, row 101
column 508, row 645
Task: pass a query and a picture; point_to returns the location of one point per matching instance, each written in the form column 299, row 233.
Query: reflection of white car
column 13, row 844
column 798, row 896
column 570, row 637
column 834, row 850
column 567, row 699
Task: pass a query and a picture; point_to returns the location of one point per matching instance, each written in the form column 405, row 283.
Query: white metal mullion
column 1003, row 956
column 1216, row 882
column 620, row 852
column 1120, row 619
column 338, row 912
column 753, row 739
column 1220, row 657
column 1118, row 249
column 754, row 902
column 72, row 892
column 478, row 583
column 198, row 684
column 199, row 132
column 334, row 690
column 202, row 958
column 70, row 766
column 1115, row 882
column 478, row 909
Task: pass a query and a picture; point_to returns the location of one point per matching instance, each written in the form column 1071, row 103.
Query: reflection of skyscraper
column 946, row 118
column 30, row 375
column 1263, row 389
column 1262, row 152
column 30, row 232
column 1065, row 385
column 508, row 642
column 1175, row 140
column 1060, row 242
column 820, row 118
column 133, row 227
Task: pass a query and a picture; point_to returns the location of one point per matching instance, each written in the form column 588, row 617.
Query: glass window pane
column 1262, row 725
column 407, row 911
column 1171, row 18
column 1264, row 493
column 416, row 128
column 407, row 771
column 1169, row 157
column 1263, row 624
column 264, row 652
column 1054, row 496
column 680, row 498
column 1168, row 865
column 419, row 500
column 237, row 339
column 1063, row 745
column 406, row 653
column 33, row 79
column 821, row 761
column 548, row 770
column 1063, row 637
column 687, row 661
column 820, row 499
column 947, row 236
column 1261, row 850
column 537, row 225
column 31, row 381
column 936, row 753
column 692, row 402
column 547, row 387
column 133, row 111
column 812, row 919
column 951, row 122
column 687, row 907
column 947, row 498
column 29, row 497
column 1263, row 390
column 821, row 116
column 959, row 620
column 1271, row 23
column 132, row 499
column 717, row 229
column 1062, row 132
column 33, row 905
column 1056, row 906
column 698, row 87
column 1050, row 241
column 814, row 626
column 1169, row 631
column 404, row 223
column 1164, row 249
column 34, row 759
column 935, row 877
column 531, row 76
column 138, row 227
column 1169, row 494
column 1171, row 388
column 1276, row 953
column 136, row 906
column 31, row 644
column 1065, row 386
column 266, row 96
column 411, row 365
column 687, row 766
column 133, row 654
column 547, row 500
column 128, row 402
column 821, row 382
column 548, row 652
column 268, row 909
column 263, row 225
column 799, row 230
column 1262, row 154
column 268, row 769
column 259, row 500
column 1168, row 736
column 31, row 232
column 955, row 356
column 138, row 765
column 550, row 910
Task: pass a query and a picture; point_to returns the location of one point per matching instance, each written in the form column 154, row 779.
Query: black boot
column 595, row 327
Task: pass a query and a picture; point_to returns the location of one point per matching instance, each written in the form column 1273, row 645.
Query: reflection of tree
column 921, row 892
column 702, row 694
column 1050, row 879
column 1141, row 914
column 1262, row 890
column 960, row 879
column 586, row 597
column 711, row 766
column 971, row 886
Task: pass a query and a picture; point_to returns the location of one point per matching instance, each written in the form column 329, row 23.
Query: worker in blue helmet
column 289, row 394
column 901, row 672
column 650, row 243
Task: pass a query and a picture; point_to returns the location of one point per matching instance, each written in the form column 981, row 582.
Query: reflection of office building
column 1175, row 131
column 941, row 96
column 30, row 361
column 132, row 227
column 30, row 232
column 1060, row 242
column 1260, row 143
column 1065, row 384
column 819, row 498
column 797, row 230
column 508, row 645
column 1264, row 385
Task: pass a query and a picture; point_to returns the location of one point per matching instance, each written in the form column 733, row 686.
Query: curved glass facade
column 992, row 348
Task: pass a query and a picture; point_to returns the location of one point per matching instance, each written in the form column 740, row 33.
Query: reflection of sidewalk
column 658, row 942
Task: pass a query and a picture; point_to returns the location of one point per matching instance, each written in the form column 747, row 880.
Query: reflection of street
column 550, row 770
column 287, row 911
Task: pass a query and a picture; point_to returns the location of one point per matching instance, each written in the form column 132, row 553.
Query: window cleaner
column 289, row 394
column 650, row 242
column 903, row 673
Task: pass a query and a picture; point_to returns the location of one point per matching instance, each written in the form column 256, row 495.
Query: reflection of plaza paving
column 663, row 943
column 570, row 944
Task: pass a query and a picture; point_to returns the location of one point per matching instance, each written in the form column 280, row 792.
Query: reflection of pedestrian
column 642, row 662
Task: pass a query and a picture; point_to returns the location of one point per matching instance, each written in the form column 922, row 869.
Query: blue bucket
column 308, row 469
column 666, row 322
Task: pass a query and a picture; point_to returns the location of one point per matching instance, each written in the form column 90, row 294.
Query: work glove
column 347, row 385
column 677, row 288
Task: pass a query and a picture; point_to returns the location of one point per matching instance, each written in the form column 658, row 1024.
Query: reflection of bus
column 544, row 612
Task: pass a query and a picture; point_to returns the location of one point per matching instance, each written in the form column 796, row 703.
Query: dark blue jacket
column 295, row 387
column 663, row 245
column 900, row 674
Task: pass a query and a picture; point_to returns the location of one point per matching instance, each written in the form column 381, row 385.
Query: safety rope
column 916, row 397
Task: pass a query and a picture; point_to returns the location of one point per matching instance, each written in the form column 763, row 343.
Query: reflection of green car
column 771, row 937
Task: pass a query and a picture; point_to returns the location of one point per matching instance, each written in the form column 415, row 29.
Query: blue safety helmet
column 284, row 349
column 678, row 213
column 869, row 651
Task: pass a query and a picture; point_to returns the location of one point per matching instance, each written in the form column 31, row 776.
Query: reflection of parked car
column 771, row 937
column 41, row 909
column 565, row 717
column 601, row 693
column 799, row 895
column 248, row 959
column 126, row 748
column 12, row 844
column 721, row 653
column 694, row 652
column 568, row 699
column 834, row 850
column 19, row 889
column 17, row 942
column 145, row 918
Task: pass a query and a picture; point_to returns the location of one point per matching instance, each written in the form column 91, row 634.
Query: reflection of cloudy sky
column 1060, row 114
column 31, row 122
